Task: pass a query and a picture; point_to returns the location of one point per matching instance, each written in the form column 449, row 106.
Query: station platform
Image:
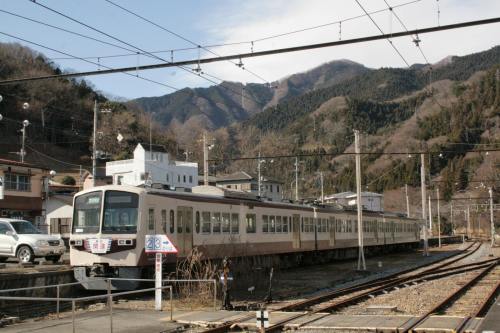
column 491, row 322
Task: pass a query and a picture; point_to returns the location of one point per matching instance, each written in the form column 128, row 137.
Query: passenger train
column 216, row 221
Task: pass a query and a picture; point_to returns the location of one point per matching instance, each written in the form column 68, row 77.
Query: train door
column 332, row 226
column 184, row 230
column 296, row 231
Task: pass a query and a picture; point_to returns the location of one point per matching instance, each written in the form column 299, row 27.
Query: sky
column 215, row 22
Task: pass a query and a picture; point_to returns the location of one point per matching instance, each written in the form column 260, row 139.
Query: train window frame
column 226, row 223
column 272, row 224
column 151, row 219
column 164, row 220
column 278, row 228
column 172, row 221
column 216, row 223
column 251, row 223
column 265, row 224
column 235, row 223
column 197, row 222
column 284, row 226
column 206, row 224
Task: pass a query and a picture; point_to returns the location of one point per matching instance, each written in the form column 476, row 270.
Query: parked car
column 21, row 239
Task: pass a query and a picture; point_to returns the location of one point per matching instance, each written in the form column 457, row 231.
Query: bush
column 68, row 180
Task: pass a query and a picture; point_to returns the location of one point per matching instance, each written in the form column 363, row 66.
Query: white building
column 153, row 167
column 370, row 200
column 59, row 213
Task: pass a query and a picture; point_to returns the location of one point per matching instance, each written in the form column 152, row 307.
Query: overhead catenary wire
column 250, row 42
column 261, row 53
column 133, row 46
column 181, row 37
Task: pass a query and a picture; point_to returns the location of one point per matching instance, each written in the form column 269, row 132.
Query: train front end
column 104, row 240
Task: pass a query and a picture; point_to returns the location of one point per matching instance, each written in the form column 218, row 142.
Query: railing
column 109, row 295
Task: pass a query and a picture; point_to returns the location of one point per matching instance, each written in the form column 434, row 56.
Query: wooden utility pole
column 296, row 179
column 361, row 254
column 407, row 201
column 205, row 159
column 94, row 142
column 438, row 218
column 430, row 216
column 492, row 222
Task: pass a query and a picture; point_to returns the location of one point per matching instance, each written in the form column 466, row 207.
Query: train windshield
column 87, row 211
column 120, row 212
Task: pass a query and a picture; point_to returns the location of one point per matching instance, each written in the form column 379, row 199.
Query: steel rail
column 449, row 299
column 262, row 53
column 226, row 326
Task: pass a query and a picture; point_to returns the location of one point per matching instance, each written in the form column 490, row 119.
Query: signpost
column 262, row 320
column 158, row 244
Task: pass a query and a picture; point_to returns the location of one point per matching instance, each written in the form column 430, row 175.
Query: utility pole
column 430, row 216
column 438, row 218
column 424, row 213
column 321, row 183
column 407, row 201
column 94, row 140
column 492, row 222
column 451, row 218
column 468, row 222
column 361, row 254
column 258, row 175
column 205, row 159
column 151, row 136
column 296, row 179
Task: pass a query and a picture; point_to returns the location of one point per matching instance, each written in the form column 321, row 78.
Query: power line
column 88, row 61
column 262, row 53
column 349, row 153
column 200, row 74
column 181, row 37
column 340, row 21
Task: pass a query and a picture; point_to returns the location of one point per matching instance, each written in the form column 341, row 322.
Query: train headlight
column 125, row 242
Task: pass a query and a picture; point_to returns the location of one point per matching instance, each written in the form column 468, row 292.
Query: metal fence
column 109, row 295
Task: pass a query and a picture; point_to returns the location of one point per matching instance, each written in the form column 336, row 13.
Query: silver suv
column 19, row 238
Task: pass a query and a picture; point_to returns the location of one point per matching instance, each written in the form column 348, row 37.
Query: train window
column 278, row 224
column 180, row 221
column 205, row 227
column 172, row 221
column 226, row 226
column 265, row 223
column 151, row 219
column 197, row 223
column 164, row 220
column 251, row 223
column 272, row 224
column 284, row 226
column 235, row 223
column 290, row 223
column 302, row 225
column 216, row 223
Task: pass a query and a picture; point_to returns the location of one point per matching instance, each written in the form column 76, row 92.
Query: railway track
column 346, row 296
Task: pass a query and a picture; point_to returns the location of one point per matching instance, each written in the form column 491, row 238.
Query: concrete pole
column 438, row 218
column 492, row 222
column 407, row 201
column 151, row 136
column 451, row 218
column 258, row 175
column 424, row 195
column 296, row 179
column 321, row 181
column 430, row 217
column 468, row 222
column 205, row 160
column 361, row 254
column 23, row 151
column 94, row 142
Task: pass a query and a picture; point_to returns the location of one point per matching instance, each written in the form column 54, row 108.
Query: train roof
column 215, row 194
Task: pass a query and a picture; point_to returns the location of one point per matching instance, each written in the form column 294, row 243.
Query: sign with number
column 99, row 245
column 159, row 244
column 262, row 319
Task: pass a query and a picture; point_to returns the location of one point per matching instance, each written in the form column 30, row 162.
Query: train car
column 110, row 223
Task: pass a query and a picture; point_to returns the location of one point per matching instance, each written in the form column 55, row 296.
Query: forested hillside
column 60, row 113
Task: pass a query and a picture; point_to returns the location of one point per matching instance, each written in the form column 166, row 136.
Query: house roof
column 349, row 194
column 17, row 163
column 155, row 148
column 242, row 175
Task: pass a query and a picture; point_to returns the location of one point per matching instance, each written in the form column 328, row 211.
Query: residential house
column 369, row 200
column 21, row 190
column 153, row 167
column 242, row 181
